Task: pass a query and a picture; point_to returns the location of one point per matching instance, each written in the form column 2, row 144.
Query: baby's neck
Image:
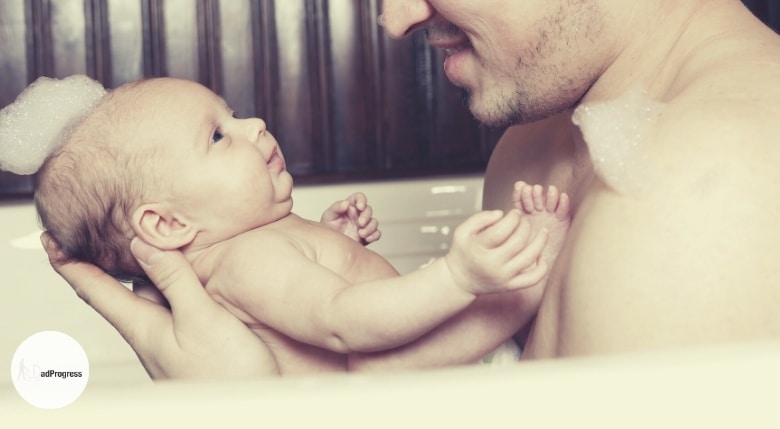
column 204, row 252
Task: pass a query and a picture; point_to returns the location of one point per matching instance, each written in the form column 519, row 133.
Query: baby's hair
column 86, row 191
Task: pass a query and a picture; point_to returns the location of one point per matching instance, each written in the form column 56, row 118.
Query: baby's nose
column 255, row 128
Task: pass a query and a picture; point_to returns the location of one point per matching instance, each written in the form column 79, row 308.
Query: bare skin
column 690, row 262
column 545, row 209
column 278, row 353
column 702, row 241
column 311, row 291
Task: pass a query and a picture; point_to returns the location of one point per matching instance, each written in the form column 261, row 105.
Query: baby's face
column 225, row 174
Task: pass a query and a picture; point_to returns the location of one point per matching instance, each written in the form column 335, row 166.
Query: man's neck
column 658, row 41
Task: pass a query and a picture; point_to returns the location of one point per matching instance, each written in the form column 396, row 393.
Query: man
column 690, row 261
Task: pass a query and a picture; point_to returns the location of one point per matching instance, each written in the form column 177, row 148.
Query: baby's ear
column 161, row 227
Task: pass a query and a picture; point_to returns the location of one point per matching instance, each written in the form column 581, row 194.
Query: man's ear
column 161, row 227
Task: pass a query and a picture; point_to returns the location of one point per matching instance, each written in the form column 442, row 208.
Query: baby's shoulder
column 263, row 241
column 259, row 249
column 256, row 251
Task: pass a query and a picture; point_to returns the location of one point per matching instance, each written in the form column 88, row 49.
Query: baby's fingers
column 370, row 228
column 372, row 237
column 530, row 277
column 359, row 200
column 505, row 229
column 528, row 256
column 366, row 216
column 478, row 222
column 335, row 211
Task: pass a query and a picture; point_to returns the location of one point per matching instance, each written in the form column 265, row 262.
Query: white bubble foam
column 616, row 133
column 34, row 125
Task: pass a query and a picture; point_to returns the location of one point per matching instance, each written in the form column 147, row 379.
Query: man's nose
column 401, row 18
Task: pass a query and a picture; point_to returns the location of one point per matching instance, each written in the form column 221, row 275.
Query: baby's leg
column 548, row 210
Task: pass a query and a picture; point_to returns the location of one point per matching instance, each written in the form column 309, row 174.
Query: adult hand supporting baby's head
column 195, row 338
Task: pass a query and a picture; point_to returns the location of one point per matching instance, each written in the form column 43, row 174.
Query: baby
column 167, row 161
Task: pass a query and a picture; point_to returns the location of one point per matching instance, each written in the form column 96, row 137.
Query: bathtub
column 724, row 385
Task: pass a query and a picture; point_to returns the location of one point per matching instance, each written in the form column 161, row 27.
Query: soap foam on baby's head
column 617, row 133
column 34, row 126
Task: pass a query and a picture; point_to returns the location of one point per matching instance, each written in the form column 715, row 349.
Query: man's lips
column 456, row 60
column 456, row 49
column 450, row 46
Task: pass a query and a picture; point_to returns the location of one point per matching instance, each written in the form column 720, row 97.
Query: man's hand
column 195, row 338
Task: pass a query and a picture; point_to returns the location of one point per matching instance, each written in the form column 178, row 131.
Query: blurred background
column 345, row 102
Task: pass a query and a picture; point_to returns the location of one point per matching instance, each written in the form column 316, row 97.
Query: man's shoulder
column 692, row 259
column 714, row 132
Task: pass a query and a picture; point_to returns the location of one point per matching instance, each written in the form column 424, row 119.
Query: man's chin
column 491, row 117
column 496, row 115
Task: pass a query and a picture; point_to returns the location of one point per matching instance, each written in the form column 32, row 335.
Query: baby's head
column 85, row 191
column 165, row 160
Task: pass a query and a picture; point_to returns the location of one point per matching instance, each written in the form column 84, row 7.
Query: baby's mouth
column 275, row 159
column 273, row 155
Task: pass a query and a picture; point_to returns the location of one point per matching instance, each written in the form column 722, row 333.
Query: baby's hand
column 354, row 218
column 492, row 252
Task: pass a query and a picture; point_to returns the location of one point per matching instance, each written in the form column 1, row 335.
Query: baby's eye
column 217, row 136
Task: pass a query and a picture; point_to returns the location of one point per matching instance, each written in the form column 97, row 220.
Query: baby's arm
column 354, row 218
column 492, row 319
column 298, row 297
